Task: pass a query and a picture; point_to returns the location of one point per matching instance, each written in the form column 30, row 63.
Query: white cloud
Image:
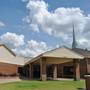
column 2, row 24
column 58, row 22
column 11, row 39
column 82, row 41
column 32, row 44
column 20, row 47
column 32, row 48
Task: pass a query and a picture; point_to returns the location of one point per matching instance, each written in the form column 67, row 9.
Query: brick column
column 87, row 66
column 76, row 68
column 31, row 71
column 87, row 81
column 43, row 69
column 55, row 71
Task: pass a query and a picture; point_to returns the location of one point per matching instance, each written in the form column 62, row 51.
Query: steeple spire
column 74, row 43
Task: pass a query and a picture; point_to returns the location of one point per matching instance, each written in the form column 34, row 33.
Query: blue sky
column 83, row 4
column 12, row 13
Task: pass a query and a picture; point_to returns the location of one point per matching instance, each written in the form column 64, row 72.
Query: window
column 68, row 70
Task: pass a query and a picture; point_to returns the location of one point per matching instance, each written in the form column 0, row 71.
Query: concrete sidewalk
column 7, row 80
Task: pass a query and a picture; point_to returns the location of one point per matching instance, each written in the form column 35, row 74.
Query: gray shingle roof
column 84, row 52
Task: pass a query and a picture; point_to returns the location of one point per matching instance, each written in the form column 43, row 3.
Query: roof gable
column 63, row 52
column 5, row 52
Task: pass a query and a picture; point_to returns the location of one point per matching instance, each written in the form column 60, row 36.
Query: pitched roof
column 8, row 49
column 18, row 60
column 84, row 52
column 61, row 52
column 15, row 59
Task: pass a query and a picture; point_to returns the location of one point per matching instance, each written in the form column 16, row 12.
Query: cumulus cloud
column 21, row 47
column 12, row 40
column 58, row 22
column 32, row 48
column 2, row 24
column 82, row 41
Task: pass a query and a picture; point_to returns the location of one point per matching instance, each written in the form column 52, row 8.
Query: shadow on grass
column 81, row 89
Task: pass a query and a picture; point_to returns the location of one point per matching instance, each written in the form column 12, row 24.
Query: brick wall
column 60, row 69
column 83, row 68
column 88, row 66
column 8, row 70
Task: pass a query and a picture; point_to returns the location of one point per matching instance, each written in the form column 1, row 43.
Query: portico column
column 31, row 71
column 55, row 71
column 76, row 69
column 43, row 69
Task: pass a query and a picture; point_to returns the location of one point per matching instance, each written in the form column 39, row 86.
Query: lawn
column 43, row 85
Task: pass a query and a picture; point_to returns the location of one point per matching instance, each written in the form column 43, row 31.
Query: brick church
column 62, row 62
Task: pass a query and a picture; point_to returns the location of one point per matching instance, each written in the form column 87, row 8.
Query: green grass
column 43, row 85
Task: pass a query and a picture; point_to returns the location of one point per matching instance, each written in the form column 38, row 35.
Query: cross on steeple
column 74, row 43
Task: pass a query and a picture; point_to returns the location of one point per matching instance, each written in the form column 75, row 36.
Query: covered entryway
column 48, row 64
column 24, row 72
column 36, row 71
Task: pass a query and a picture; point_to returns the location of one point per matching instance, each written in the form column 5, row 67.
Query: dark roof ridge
column 8, row 49
column 82, row 49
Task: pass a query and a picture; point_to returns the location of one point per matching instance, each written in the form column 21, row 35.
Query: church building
column 62, row 62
